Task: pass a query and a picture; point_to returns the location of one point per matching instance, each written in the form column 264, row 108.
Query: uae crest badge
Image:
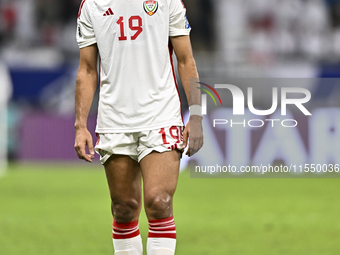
column 150, row 7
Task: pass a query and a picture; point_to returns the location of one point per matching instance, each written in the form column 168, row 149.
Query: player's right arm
column 87, row 78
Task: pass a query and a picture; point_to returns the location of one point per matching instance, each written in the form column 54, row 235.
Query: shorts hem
column 104, row 158
column 159, row 149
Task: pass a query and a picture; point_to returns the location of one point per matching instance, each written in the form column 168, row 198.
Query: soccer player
column 139, row 123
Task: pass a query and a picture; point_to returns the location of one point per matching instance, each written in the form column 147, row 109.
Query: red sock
column 124, row 230
column 126, row 238
column 162, row 237
column 164, row 228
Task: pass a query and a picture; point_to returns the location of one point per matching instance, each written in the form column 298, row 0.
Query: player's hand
column 193, row 135
column 83, row 139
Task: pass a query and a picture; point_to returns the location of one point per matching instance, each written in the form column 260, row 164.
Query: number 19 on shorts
column 172, row 136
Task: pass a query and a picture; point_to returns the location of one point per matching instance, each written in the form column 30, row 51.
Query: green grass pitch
column 65, row 210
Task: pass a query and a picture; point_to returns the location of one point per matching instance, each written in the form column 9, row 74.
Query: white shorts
column 139, row 144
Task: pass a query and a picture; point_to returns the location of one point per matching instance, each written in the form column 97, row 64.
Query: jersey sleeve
column 178, row 23
column 85, row 32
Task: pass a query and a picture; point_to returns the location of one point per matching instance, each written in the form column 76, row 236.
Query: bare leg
column 124, row 178
column 160, row 176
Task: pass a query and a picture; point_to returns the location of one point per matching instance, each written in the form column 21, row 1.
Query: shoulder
column 85, row 4
column 85, row 7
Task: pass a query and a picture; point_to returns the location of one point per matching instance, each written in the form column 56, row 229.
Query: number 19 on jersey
column 135, row 24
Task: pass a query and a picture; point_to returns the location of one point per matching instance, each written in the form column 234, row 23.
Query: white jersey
column 138, row 89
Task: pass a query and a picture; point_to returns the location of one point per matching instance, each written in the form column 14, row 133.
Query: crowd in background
column 47, row 24
column 263, row 29
column 295, row 28
column 35, row 22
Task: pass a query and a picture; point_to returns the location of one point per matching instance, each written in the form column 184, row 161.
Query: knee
column 125, row 210
column 158, row 205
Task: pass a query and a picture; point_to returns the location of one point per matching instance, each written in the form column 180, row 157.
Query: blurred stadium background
column 50, row 203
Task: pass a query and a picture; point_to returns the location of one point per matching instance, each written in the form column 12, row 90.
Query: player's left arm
column 187, row 70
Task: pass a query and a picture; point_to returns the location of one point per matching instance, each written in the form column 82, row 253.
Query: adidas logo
column 108, row 12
